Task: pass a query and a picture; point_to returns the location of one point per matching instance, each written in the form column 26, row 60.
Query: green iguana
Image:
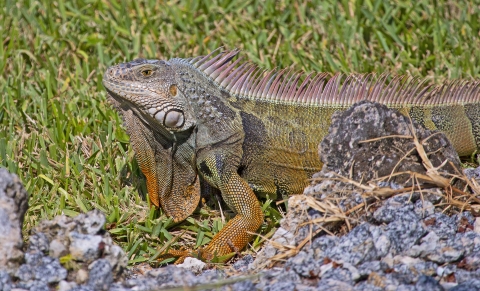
column 248, row 132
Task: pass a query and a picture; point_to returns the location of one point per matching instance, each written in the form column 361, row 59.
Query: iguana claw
column 181, row 255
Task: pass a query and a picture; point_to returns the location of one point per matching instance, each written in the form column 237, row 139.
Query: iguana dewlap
column 250, row 132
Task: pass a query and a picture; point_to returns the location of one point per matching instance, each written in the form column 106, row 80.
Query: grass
column 58, row 134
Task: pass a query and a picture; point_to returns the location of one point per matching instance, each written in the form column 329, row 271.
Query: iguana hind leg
column 219, row 171
column 237, row 232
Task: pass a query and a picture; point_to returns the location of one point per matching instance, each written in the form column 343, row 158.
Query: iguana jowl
column 250, row 132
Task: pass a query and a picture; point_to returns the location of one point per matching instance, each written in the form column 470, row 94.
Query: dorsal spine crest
column 246, row 80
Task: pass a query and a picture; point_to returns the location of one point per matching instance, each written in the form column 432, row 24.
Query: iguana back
column 284, row 119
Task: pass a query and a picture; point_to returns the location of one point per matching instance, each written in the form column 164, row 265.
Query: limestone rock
column 13, row 205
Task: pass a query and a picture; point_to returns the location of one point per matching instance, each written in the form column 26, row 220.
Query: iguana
column 248, row 131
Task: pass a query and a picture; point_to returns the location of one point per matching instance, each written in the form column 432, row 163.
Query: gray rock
column 57, row 228
column 38, row 242
column 241, row 286
column 304, row 264
column 331, row 284
column 465, row 275
column 405, row 230
column 424, row 208
column 427, row 283
column 390, row 209
column 341, row 149
column 83, row 288
column 323, row 244
column 281, row 286
column 369, row 286
column 243, row 264
column 100, row 275
column 120, row 287
column 472, row 261
column 57, row 249
column 85, row 247
column 367, row 268
column 280, row 276
column 428, row 245
column 33, row 286
column 41, row 268
column 290, row 231
column 66, row 286
column 471, row 285
column 169, row 276
column 91, row 222
column 364, row 243
column 82, row 237
column 411, row 273
column 81, row 276
column 327, row 187
column 193, row 264
column 468, row 217
column 115, row 256
column 343, row 272
column 13, row 205
column 5, row 281
column 447, row 252
column 405, row 288
column 212, row 274
column 473, row 173
column 444, row 226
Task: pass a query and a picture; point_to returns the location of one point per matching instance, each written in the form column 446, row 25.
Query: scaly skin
column 250, row 133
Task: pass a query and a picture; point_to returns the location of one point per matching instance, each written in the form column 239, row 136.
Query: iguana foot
column 181, row 255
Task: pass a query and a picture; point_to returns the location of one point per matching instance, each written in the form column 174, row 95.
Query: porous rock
column 370, row 140
column 13, row 205
column 39, row 267
column 100, row 275
column 93, row 260
column 5, row 281
column 192, row 264
column 81, row 237
column 243, row 264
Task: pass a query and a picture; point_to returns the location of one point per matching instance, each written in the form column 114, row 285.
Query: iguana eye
column 173, row 90
column 147, row 72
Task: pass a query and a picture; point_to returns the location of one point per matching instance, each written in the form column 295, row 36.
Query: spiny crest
column 249, row 81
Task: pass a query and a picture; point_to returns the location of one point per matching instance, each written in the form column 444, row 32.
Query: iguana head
column 150, row 89
column 161, row 130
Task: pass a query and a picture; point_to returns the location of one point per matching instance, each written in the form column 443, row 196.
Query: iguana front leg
column 220, row 171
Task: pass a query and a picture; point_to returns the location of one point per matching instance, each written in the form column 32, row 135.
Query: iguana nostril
column 174, row 118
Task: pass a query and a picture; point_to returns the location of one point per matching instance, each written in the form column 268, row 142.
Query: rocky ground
column 356, row 227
